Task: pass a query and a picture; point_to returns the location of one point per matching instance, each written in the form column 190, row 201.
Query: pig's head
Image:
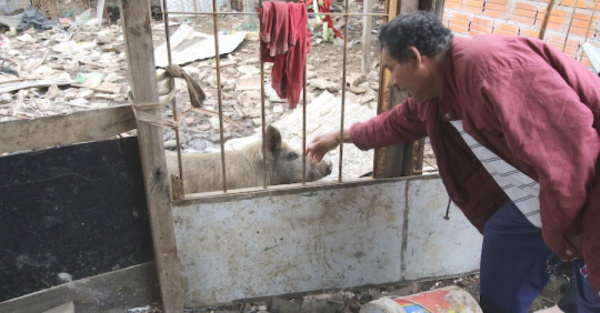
column 285, row 163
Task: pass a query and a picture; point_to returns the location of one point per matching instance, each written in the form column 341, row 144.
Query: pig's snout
column 328, row 167
column 316, row 171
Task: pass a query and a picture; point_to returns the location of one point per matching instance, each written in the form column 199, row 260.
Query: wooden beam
column 401, row 159
column 61, row 130
column 142, row 70
column 64, row 308
column 117, row 291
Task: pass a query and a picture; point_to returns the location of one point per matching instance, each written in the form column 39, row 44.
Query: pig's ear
column 272, row 142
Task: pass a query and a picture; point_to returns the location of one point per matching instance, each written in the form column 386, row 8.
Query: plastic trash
column 450, row 299
column 36, row 19
column 90, row 79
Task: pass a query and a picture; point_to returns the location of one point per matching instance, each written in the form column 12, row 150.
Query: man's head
column 412, row 46
column 421, row 30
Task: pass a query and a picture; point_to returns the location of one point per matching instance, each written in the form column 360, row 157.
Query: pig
column 244, row 168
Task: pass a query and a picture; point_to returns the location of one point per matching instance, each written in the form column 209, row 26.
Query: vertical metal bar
column 304, row 124
column 219, row 98
column 262, row 97
column 173, row 101
column 344, row 59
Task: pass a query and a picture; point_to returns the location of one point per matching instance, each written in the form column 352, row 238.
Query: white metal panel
column 336, row 238
column 436, row 246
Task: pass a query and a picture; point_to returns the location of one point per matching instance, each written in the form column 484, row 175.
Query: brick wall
column 571, row 23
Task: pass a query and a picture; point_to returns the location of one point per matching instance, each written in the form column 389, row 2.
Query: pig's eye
column 291, row 156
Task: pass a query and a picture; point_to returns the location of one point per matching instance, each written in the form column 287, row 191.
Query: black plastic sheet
column 36, row 19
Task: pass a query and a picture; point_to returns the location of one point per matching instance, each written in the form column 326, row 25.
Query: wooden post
column 140, row 59
column 366, row 38
column 401, row 159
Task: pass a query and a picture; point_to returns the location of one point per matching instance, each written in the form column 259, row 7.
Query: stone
column 248, row 83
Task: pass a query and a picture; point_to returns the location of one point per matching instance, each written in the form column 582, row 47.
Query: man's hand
column 322, row 144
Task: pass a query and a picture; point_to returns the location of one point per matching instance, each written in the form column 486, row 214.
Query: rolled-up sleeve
column 401, row 124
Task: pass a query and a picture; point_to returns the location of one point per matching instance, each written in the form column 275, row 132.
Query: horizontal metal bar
column 256, row 192
column 254, row 13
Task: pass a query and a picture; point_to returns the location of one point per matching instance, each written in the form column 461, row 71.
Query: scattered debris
column 36, row 19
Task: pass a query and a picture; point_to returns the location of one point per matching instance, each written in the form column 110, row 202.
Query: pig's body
column 202, row 171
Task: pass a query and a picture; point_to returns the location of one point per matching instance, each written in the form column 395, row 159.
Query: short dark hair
column 419, row 29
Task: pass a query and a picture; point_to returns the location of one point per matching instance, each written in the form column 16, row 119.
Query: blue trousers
column 516, row 266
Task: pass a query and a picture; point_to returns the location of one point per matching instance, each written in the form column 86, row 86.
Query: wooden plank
column 59, row 130
column 68, row 307
column 114, row 292
column 40, row 83
column 140, row 58
column 396, row 160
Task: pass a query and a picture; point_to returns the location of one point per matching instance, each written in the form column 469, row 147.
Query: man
column 514, row 126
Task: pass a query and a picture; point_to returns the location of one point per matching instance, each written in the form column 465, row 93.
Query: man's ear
column 414, row 56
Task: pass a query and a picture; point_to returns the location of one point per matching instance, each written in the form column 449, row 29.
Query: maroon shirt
column 534, row 107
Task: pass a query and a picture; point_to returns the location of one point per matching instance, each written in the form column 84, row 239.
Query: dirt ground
column 352, row 300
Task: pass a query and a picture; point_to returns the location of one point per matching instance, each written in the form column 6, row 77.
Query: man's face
column 409, row 76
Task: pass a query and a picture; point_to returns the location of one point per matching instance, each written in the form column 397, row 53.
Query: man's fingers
column 314, row 157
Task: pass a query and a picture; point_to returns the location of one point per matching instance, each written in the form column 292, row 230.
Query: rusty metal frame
column 409, row 157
